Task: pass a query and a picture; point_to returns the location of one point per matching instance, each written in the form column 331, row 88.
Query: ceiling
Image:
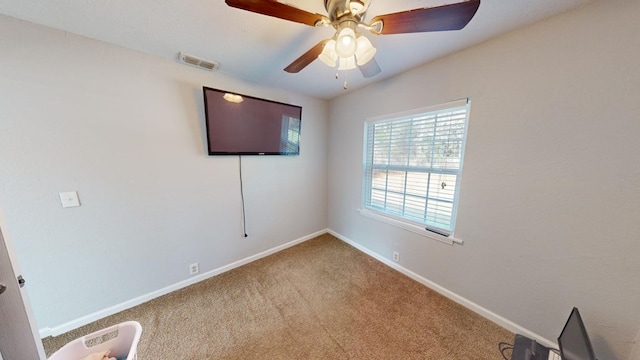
column 256, row 48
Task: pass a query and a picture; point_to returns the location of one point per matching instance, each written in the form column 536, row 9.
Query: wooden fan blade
column 370, row 69
column 441, row 18
column 276, row 9
column 306, row 58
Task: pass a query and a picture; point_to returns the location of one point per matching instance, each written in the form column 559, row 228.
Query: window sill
column 408, row 226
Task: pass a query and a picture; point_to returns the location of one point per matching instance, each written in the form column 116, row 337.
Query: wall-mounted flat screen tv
column 238, row 124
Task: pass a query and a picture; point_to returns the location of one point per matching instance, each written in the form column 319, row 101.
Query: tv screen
column 238, row 124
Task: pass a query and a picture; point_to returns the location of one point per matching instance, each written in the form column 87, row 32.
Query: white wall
column 550, row 197
column 126, row 130
column 635, row 351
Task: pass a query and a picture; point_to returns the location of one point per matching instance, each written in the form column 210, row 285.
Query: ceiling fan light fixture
column 364, row 50
column 329, row 55
column 346, row 63
column 349, row 47
column 346, row 43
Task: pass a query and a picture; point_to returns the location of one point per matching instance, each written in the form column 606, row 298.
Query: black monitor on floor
column 573, row 341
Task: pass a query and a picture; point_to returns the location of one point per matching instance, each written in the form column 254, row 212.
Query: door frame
column 23, row 291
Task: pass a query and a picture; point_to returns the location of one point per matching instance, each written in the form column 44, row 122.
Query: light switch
column 69, row 199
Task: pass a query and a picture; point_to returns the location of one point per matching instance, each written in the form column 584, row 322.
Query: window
column 290, row 135
column 413, row 163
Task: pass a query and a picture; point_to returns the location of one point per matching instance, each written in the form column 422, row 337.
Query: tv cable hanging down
column 244, row 218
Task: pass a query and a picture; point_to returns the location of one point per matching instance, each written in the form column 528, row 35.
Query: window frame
column 421, row 228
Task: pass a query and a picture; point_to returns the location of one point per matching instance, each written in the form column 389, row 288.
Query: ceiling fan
column 348, row 48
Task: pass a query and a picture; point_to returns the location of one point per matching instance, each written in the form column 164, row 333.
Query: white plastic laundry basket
column 122, row 339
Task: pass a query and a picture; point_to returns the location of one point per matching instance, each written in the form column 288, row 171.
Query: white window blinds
column 413, row 164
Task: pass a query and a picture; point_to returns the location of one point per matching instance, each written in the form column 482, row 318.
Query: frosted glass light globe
column 346, row 43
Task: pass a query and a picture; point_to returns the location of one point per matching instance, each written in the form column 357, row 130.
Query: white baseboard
column 74, row 324
column 507, row 324
column 490, row 315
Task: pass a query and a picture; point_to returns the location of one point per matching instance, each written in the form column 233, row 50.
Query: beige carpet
column 321, row 299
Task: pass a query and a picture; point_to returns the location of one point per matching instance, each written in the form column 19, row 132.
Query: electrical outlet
column 396, row 256
column 193, row 269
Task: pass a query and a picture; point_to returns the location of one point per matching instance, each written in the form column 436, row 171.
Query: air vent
column 198, row 62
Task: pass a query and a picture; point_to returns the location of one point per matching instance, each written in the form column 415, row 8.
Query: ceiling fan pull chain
column 345, row 85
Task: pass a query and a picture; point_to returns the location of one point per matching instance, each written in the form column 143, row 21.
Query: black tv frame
column 208, row 125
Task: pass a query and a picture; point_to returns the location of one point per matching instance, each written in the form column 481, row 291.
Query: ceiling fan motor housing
column 340, row 8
